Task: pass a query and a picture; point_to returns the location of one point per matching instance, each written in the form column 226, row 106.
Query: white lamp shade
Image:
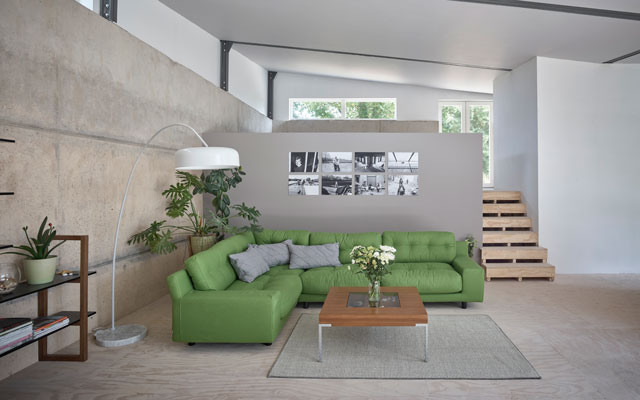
column 203, row 158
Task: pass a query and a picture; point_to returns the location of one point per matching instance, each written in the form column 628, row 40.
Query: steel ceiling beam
column 534, row 5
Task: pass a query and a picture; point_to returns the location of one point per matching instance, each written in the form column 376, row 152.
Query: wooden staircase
column 510, row 249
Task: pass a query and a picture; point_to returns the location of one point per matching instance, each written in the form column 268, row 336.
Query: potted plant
column 203, row 231
column 471, row 244
column 39, row 264
column 374, row 263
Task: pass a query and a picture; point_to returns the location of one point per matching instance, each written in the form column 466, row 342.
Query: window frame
column 466, row 122
column 344, row 101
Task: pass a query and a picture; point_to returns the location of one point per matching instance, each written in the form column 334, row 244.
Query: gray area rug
column 460, row 347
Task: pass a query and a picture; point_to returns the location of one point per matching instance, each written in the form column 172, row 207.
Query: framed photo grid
column 340, row 173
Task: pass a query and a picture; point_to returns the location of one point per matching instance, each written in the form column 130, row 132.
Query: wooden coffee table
column 335, row 312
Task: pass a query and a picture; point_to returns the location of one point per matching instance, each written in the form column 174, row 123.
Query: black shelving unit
column 76, row 318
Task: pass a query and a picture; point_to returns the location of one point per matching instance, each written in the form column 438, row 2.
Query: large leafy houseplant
column 159, row 235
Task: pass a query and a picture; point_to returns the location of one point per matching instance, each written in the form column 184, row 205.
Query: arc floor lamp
column 189, row 159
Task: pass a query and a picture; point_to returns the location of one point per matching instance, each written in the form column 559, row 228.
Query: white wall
column 588, row 167
column 515, row 134
column 248, row 81
column 414, row 102
column 188, row 44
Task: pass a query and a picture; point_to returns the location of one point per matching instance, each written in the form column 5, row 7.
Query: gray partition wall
column 449, row 178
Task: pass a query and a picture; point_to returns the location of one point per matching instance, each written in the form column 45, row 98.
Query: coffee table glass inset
column 336, row 311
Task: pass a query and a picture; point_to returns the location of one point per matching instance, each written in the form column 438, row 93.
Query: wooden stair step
column 501, row 195
column 509, row 237
column 519, row 270
column 504, row 208
column 514, row 253
column 506, row 222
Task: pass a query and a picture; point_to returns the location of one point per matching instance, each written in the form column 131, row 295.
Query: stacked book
column 45, row 325
column 13, row 332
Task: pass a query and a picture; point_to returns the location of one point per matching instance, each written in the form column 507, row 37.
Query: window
column 342, row 108
column 471, row 117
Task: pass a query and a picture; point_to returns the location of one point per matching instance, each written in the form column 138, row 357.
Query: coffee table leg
column 426, row 341
column 320, row 326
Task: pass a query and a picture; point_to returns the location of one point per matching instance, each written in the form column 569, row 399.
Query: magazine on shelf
column 17, row 342
column 8, row 325
column 44, row 325
column 15, row 334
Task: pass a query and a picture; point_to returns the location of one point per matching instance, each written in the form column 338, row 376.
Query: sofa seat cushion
column 320, row 280
column 284, row 269
column 415, row 247
column 428, row 278
column 288, row 285
column 347, row 241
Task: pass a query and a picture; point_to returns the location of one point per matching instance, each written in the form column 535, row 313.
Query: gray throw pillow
column 273, row 254
column 248, row 265
column 324, row 255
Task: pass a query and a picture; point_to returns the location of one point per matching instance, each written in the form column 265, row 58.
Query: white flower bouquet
column 372, row 261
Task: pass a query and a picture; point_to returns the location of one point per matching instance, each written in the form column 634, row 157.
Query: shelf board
column 74, row 318
column 24, row 289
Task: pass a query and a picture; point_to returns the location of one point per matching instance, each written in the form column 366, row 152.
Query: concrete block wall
column 79, row 95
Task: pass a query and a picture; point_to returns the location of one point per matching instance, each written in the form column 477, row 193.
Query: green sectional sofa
column 211, row 305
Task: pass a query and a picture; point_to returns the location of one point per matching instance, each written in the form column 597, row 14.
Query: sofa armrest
column 472, row 277
column 250, row 316
column 179, row 284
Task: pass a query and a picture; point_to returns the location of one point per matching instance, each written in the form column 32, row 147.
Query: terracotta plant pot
column 40, row 271
column 201, row 243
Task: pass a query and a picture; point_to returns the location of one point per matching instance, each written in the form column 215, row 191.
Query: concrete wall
column 588, row 166
column 186, row 43
column 515, row 134
column 79, row 96
column 450, row 182
column 415, row 103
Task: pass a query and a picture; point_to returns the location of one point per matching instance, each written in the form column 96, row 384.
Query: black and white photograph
column 403, row 162
column 337, row 161
column 403, row 185
column 304, row 161
column 336, row 185
column 369, row 185
column 304, row 185
column 370, row 162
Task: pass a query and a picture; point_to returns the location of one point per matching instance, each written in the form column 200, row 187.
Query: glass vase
column 374, row 294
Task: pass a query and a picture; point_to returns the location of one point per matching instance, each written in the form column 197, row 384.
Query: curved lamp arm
column 124, row 199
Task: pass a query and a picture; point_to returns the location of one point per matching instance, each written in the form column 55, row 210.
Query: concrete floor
column 582, row 334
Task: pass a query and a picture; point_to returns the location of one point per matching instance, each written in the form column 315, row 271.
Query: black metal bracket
column 225, row 48
column 7, row 140
column 109, row 10
column 271, row 76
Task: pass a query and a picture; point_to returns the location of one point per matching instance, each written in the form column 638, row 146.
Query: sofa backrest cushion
column 270, row 236
column 422, row 246
column 347, row 241
column 211, row 269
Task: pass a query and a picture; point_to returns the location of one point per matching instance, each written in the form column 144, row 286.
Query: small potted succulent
column 39, row 264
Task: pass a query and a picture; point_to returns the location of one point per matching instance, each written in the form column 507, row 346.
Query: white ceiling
column 441, row 30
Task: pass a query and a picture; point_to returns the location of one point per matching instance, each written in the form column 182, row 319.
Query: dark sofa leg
column 463, row 305
column 305, row 305
column 191, row 344
column 267, row 344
